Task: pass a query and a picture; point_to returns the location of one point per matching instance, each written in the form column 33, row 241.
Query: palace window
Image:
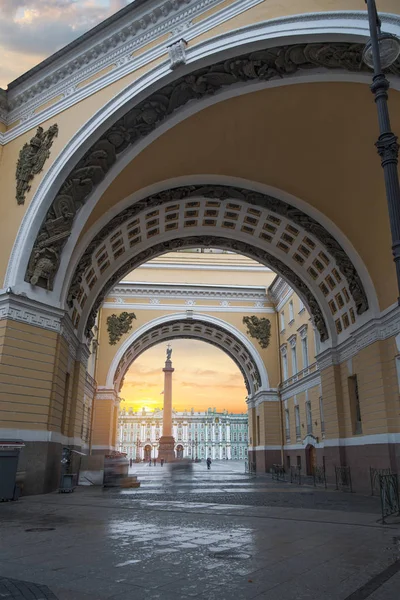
column 301, row 305
column 287, row 425
column 285, row 365
column 282, row 318
column 294, row 360
column 355, row 404
column 304, row 347
column 291, row 312
column 321, row 415
column 297, row 421
column 309, row 417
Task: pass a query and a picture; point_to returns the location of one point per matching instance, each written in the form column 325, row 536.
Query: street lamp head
column 389, row 51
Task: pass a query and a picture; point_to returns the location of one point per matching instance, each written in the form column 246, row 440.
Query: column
column 167, row 442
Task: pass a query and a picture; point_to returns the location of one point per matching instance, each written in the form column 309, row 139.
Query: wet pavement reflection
column 96, row 544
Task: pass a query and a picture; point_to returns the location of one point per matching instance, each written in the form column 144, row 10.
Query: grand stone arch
column 200, row 327
column 257, row 225
column 143, row 120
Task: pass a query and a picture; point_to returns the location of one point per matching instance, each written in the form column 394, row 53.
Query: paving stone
column 285, row 543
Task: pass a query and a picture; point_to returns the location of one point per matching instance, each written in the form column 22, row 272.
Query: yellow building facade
column 245, row 125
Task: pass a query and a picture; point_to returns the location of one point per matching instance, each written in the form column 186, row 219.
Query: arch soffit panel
column 201, row 327
column 142, row 120
column 258, row 225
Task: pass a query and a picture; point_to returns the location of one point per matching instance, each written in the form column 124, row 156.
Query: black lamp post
column 380, row 53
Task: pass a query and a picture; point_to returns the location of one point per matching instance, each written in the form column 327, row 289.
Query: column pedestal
column 166, row 448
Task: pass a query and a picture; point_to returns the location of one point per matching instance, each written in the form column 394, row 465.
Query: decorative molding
column 40, row 435
column 304, row 384
column 183, row 291
column 260, row 329
column 155, row 304
column 25, row 310
column 31, row 159
column 292, row 340
column 388, row 325
column 68, row 333
column 119, row 325
column 116, row 51
column 302, row 331
column 177, row 54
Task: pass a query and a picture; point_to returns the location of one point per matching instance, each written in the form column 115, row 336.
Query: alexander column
column 167, row 442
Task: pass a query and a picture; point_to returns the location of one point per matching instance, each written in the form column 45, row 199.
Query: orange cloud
column 204, row 377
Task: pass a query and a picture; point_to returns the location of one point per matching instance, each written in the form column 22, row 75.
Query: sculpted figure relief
column 32, row 158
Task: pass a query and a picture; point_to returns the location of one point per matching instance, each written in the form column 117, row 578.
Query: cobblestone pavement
column 159, row 545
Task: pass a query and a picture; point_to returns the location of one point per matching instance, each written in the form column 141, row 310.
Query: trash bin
column 9, row 455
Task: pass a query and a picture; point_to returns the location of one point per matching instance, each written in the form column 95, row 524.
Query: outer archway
column 201, row 327
column 143, row 120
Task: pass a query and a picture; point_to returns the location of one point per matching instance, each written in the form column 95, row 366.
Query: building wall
column 220, row 436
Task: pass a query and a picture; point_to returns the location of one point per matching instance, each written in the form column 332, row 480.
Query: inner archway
column 206, row 328
column 264, row 228
column 209, row 416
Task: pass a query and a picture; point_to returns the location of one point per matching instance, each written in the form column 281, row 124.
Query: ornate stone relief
column 177, row 54
column 148, row 114
column 32, row 158
column 118, row 325
column 214, row 242
column 260, row 329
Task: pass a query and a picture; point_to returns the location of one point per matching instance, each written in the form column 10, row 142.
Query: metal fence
column 389, row 491
column 319, row 477
column 295, row 475
column 343, row 479
column 374, row 477
column 278, row 472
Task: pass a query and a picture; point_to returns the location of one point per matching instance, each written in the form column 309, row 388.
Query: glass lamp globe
column 389, row 50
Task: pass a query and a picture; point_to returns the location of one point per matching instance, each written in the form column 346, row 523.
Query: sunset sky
column 32, row 30
column 204, row 377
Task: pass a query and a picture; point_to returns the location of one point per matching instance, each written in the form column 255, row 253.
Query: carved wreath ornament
column 260, row 329
column 118, row 325
column 32, row 158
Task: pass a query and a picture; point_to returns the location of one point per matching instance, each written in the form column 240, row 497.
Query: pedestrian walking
column 162, row 462
column 154, row 461
column 150, row 462
column 208, row 463
column 130, row 462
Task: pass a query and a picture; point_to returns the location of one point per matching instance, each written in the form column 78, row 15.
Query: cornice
column 25, row 310
column 304, row 384
column 112, row 47
column 382, row 328
column 237, row 293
